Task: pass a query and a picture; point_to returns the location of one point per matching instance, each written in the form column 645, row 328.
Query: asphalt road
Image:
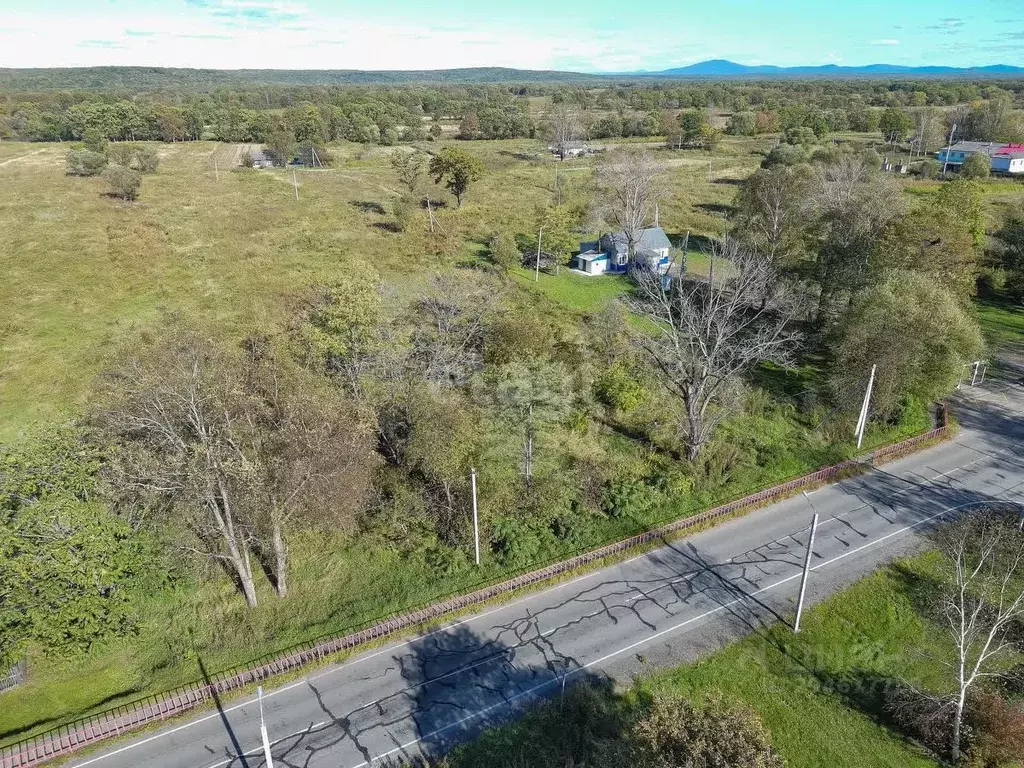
column 664, row 607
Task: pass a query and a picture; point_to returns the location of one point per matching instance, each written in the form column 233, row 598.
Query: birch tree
column 983, row 603
column 565, row 129
column 704, row 335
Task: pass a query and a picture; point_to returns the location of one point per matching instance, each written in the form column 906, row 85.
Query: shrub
column 138, row 157
column 85, row 162
column 784, row 154
column 716, row 732
column 123, row 182
column 618, row 388
column 801, row 136
column 929, row 168
column 504, row 252
column 976, row 166
column 517, row 543
column 634, row 498
column 998, row 728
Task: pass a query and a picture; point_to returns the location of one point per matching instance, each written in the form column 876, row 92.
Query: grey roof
column 651, row 239
column 258, row 155
column 988, row 147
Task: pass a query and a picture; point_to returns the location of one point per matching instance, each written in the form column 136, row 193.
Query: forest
column 387, row 115
column 239, row 420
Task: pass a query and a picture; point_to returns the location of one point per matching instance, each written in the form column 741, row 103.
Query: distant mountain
column 724, row 68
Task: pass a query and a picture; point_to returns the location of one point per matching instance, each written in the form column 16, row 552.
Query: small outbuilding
column 260, row 159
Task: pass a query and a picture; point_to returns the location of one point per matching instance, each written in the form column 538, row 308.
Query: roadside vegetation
column 258, row 394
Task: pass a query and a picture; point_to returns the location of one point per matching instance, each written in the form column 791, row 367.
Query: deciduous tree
column 629, row 185
column 916, row 332
column 982, row 602
column 410, row 167
column 66, row 562
column 457, row 168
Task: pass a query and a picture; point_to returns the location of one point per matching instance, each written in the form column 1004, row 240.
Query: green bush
column 632, row 498
column 976, row 166
column 800, row 136
column 123, row 182
column 618, row 388
column 785, row 154
column 929, row 168
column 138, row 157
column 518, row 542
column 85, row 162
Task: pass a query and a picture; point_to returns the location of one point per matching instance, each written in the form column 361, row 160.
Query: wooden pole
column 540, row 234
column 295, row 184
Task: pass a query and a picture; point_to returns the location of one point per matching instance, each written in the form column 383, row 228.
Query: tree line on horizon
column 387, row 115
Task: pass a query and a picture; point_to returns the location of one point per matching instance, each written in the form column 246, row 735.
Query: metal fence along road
column 122, row 719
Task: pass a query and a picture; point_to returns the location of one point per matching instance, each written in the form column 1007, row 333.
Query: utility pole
column 807, row 568
column 216, row 170
column 263, row 732
column 863, row 420
column 949, row 146
column 476, row 520
column 540, row 234
column 430, row 213
column 295, row 184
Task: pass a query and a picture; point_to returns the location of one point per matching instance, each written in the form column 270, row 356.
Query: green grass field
column 819, row 692
column 1002, row 321
column 83, row 272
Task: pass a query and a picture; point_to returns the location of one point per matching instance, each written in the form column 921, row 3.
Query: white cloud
column 237, row 34
column 885, row 41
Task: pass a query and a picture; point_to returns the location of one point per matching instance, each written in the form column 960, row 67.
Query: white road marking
column 649, row 638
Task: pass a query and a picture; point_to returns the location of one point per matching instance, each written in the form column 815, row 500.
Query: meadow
column 228, row 248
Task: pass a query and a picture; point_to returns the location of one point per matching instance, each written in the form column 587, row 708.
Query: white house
column 1009, row 161
column 610, row 253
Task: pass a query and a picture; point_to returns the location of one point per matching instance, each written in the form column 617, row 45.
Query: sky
column 577, row 35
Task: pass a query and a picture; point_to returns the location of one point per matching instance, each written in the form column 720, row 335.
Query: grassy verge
column 819, row 693
column 337, row 586
column 1002, row 321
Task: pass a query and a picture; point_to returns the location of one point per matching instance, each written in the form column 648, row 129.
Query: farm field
column 228, row 248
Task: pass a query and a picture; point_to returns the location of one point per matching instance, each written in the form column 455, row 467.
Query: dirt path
column 21, row 157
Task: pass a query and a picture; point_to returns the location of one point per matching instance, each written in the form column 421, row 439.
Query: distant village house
column 1003, row 158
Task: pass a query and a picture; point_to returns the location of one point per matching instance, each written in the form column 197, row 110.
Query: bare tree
column 984, row 601
column 181, row 423
column 629, row 179
column 565, row 129
column 447, row 343
column 706, row 334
